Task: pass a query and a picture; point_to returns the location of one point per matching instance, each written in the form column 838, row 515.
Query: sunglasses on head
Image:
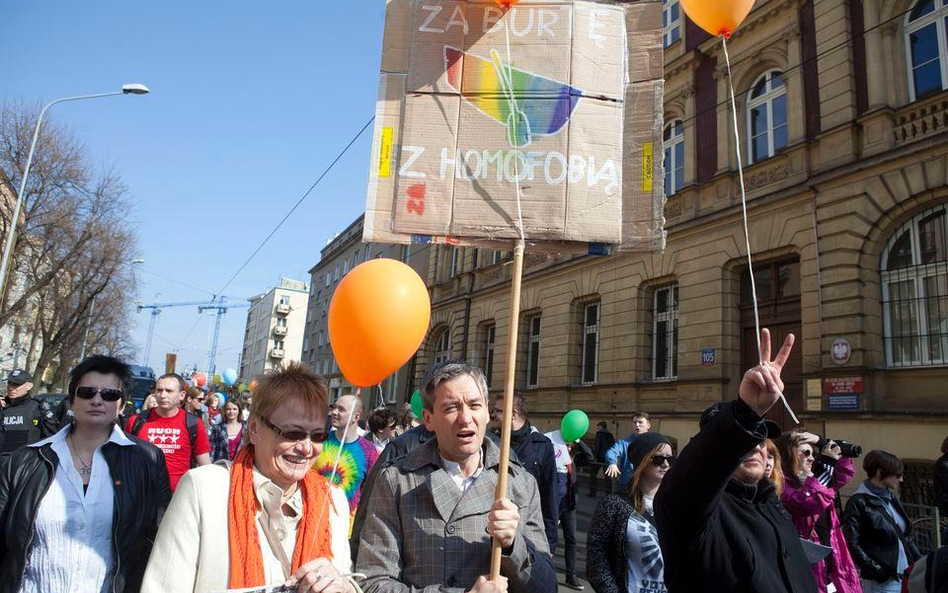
column 317, row 436
column 109, row 395
column 660, row 460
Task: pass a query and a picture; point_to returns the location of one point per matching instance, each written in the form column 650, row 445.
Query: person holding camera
column 811, row 505
column 877, row 528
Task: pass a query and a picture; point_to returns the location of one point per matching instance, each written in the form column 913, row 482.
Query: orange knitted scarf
column 312, row 541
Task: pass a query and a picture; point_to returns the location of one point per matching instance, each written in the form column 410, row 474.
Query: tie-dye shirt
column 357, row 459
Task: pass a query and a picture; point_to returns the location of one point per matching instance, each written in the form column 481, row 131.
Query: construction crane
column 220, row 304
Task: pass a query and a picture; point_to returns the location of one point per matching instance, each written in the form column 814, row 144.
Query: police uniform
column 25, row 420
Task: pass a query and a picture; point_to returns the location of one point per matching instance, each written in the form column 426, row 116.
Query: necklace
column 85, row 472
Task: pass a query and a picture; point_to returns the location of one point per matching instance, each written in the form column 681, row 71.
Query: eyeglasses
column 109, row 395
column 317, row 436
column 660, row 460
column 806, row 453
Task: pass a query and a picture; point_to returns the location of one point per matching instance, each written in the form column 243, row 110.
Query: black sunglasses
column 109, row 395
column 317, row 436
column 806, row 453
column 660, row 460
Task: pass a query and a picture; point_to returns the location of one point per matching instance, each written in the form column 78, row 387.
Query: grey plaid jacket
column 421, row 534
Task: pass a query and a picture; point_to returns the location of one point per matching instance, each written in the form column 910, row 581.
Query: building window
column 285, row 300
column 278, row 344
column 406, row 252
column 355, row 258
column 674, row 140
column 345, row 266
column 281, row 321
column 455, row 262
column 915, row 292
column 367, row 248
column 927, row 47
column 490, row 333
column 335, row 273
column 767, row 116
column 443, row 347
column 590, row 329
column 665, row 333
column 328, row 278
column 533, row 350
column 320, row 339
column 671, row 19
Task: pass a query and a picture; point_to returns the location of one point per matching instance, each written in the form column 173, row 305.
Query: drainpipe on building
column 819, row 280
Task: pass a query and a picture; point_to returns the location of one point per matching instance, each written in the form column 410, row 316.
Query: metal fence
column 927, row 526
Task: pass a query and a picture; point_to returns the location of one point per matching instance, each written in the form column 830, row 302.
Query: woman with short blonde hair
column 265, row 518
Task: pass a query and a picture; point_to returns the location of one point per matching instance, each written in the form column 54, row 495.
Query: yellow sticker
column 647, row 167
column 385, row 152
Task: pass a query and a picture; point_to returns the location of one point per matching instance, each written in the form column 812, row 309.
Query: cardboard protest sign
column 550, row 112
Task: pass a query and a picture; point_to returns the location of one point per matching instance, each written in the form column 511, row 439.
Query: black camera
column 851, row 450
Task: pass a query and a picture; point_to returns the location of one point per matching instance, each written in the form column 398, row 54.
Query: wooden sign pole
column 509, row 380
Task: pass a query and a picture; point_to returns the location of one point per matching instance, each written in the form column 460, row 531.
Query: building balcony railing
column 282, row 308
column 922, row 118
column 279, row 330
column 277, row 353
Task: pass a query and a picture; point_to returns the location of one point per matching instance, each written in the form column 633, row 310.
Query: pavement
column 585, row 506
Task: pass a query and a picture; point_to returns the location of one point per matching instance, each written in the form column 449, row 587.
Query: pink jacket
column 805, row 504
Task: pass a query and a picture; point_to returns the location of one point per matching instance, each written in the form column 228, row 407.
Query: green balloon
column 217, row 379
column 574, row 426
column 243, row 387
column 416, row 403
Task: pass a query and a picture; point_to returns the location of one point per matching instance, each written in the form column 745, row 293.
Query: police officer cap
column 19, row 377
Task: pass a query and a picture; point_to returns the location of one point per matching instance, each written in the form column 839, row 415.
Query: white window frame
column 938, row 17
column 669, row 292
column 672, row 28
column 766, row 100
column 675, row 130
column 278, row 345
column 442, row 350
column 590, row 332
column 533, row 348
column 320, row 340
column 916, row 274
column 281, row 322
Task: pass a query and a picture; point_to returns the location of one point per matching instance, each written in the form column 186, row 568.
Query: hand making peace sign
column 761, row 386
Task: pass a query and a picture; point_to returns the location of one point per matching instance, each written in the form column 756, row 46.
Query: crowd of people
column 283, row 488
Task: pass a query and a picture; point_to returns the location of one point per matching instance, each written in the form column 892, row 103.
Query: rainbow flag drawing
column 527, row 103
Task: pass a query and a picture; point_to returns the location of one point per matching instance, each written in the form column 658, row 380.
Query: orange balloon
column 718, row 17
column 253, row 385
column 377, row 319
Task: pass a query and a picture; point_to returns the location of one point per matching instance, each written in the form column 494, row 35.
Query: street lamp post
column 128, row 89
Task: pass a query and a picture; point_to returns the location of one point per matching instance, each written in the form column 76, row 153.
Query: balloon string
column 332, row 479
column 505, row 76
column 750, row 262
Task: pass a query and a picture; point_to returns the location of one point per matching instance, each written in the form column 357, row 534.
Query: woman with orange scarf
column 265, row 518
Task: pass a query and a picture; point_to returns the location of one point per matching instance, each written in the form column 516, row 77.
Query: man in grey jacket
column 433, row 512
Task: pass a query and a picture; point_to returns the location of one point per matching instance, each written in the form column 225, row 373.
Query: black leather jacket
column 142, row 492
column 873, row 537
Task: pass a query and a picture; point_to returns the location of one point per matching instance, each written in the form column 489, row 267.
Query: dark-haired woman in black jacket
column 79, row 510
column 877, row 528
column 622, row 552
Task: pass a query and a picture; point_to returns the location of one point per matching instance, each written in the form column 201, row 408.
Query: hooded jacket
column 718, row 534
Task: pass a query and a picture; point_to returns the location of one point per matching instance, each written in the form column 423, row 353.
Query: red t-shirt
column 171, row 436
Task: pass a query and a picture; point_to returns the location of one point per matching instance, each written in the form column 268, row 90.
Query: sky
column 249, row 103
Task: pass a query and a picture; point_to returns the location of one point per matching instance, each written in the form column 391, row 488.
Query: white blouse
column 72, row 545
